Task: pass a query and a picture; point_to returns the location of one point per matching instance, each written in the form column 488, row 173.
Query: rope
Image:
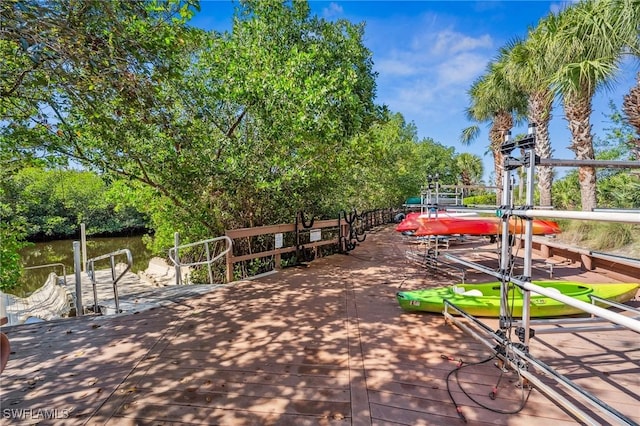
column 461, row 364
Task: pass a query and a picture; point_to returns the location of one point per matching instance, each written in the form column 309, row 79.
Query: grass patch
column 575, row 231
column 599, row 235
column 609, row 236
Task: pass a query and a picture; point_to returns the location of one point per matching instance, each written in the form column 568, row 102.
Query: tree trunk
column 495, row 136
column 578, row 110
column 540, row 107
column 498, row 171
column 502, row 123
column 631, row 108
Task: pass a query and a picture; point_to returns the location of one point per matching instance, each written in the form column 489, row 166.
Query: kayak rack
column 517, row 355
column 513, row 355
column 430, row 261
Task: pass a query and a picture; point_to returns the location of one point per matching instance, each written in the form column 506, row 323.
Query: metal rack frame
column 520, row 358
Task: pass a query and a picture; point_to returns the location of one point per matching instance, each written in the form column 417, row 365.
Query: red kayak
column 414, row 220
column 481, row 226
column 409, row 223
column 462, row 226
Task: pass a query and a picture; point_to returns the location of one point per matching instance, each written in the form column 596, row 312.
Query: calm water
column 61, row 251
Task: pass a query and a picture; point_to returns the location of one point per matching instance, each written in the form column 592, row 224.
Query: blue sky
column 428, row 53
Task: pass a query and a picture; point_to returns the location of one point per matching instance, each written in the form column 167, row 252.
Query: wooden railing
column 304, row 236
column 276, row 233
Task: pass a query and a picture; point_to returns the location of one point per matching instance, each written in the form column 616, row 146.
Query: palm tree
column 585, row 59
column 496, row 101
column 631, row 108
column 471, row 169
column 626, row 17
column 528, row 70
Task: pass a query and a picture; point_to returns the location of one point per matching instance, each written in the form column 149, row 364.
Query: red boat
column 414, row 220
column 481, row 226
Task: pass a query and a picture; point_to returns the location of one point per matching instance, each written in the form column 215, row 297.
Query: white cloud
column 427, row 78
column 334, row 9
column 448, row 42
column 395, row 67
column 461, row 69
column 444, row 57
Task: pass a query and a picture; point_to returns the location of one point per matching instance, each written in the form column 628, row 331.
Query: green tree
column 528, row 69
column 617, row 188
column 624, row 16
column 53, row 203
column 567, row 192
column 494, row 99
column 471, row 168
column 12, row 235
column 586, row 57
column 222, row 130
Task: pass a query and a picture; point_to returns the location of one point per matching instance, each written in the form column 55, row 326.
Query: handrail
column 173, row 256
column 92, row 274
column 64, row 269
column 626, row 260
column 612, row 303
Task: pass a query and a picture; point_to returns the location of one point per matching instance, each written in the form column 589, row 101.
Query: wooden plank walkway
column 319, row 345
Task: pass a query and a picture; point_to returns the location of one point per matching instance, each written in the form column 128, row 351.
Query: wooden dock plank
column 324, row 344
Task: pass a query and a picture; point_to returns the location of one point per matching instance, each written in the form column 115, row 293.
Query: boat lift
column 516, row 355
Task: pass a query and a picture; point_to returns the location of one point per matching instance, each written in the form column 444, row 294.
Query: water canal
column 61, row 251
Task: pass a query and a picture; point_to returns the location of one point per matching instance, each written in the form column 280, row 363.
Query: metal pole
column 605, row 164
column 176, row 243
column 528, row 245
column 112, row 263
column 91, row 266
column 83, row 239
column 505, row 259
column 546, row 389
column 580, row 215
column 209, row 262
column 614, row 317
column 77, row 268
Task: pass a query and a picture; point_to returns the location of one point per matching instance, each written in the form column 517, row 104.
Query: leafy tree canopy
column 211, row 130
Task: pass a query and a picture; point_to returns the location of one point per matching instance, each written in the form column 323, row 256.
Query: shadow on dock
column 325, row 344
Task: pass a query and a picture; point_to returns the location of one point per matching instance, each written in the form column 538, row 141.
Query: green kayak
column 483, row 300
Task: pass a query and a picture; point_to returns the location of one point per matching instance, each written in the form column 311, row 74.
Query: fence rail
column 344, row 232
column 276, row 234
column 48, row 265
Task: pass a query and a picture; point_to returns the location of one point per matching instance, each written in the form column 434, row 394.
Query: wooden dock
column 324, row 344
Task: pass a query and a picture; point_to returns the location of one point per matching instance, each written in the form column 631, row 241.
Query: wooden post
column 587, row 262
column 176, row 243
column 545, row 251
column 229, row 263
column 83, row 242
